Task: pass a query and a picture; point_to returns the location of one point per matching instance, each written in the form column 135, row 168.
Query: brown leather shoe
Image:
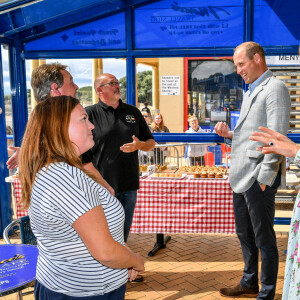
column 239, row 291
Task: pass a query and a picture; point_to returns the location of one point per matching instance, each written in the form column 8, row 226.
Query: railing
column 175, row 155
column 193, row 137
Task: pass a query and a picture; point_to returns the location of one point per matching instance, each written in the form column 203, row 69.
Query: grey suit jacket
column 269, row 106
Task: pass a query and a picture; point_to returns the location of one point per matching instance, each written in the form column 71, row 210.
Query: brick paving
column 192, row 266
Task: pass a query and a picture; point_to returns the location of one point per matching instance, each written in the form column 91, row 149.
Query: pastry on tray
column 211, row 174
column 197, row 175
column 219, row 175
column 204, row 174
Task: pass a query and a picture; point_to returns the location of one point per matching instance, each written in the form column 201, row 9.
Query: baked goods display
column 204, row 171
column 204, row 174
column 157, row 168
column 219, row 175
column 197, row 174
column 143, row 168
column 211, row 174
column 194, row 169
column 167, row 175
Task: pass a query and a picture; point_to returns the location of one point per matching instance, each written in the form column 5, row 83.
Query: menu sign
column 190, row 23
column 283, row 60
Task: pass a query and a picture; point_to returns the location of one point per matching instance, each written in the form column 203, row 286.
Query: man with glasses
column 120, row 131
column 50, row 80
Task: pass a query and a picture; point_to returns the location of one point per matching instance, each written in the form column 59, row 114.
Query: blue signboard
column 208, row 129
column 17, row 267
column 189, row 23
column 107, row 33
column 282, row 21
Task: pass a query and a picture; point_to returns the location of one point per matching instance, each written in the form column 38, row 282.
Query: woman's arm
column 93, row 230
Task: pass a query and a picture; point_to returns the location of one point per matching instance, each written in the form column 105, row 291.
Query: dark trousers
column 254, row 213
column 43, row 293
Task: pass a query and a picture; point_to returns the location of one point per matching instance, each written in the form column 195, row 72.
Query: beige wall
column 172, row 107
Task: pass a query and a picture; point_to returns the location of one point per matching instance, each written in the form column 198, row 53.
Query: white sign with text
column 170, row 85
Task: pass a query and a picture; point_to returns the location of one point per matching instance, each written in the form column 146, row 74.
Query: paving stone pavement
column 192, row 266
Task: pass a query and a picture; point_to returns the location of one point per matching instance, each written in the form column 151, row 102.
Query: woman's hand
column 275, row 142
column 132, row 274
column 140, row 264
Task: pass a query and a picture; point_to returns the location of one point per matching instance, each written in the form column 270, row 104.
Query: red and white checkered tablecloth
column 176, row 206
column 184, row 206
column 20, row 211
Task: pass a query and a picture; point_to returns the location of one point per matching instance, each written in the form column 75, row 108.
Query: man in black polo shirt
column 120, row 131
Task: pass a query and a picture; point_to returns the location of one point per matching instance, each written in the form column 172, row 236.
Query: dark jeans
column 43, row 293
column 254, row 213
column 128, row 200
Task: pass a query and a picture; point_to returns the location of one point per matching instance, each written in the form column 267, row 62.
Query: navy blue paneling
column 282, row 24
column 190, row 23
column 106, row 33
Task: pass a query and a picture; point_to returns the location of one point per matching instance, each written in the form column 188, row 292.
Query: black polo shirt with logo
column 113, row 129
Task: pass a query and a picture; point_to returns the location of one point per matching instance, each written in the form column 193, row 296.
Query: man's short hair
column 251, row 49
column 43, row 77
column 192, row 118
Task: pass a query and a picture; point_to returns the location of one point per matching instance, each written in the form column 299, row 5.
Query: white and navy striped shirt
column 60, row 195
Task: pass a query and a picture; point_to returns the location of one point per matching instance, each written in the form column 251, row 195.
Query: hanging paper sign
column 170, row 85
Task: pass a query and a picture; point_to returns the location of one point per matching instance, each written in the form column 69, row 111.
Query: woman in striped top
column 78, row 223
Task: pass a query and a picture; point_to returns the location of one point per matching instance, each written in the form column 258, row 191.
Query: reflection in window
column 214, row 90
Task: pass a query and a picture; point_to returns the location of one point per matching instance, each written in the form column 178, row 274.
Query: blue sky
column 81, row 69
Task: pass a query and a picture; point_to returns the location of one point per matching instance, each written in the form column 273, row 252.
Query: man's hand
column 131, row 147
column 262, row 186
column 12, row 162
column 222, row 129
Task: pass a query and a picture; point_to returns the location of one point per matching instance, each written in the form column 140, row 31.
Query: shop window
column 214, row 91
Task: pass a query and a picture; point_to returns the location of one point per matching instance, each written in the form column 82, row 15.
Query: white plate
column 144, row 174
column 224, row 177
column 182, row 176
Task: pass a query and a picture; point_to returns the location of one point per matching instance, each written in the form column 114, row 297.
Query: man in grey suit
column 254, row 177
